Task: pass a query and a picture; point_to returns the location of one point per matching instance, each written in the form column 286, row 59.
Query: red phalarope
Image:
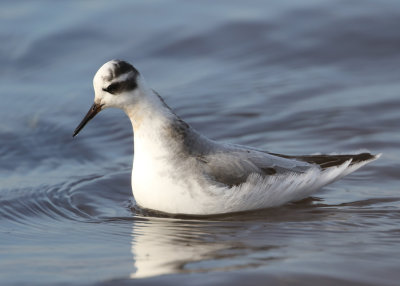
column 177, row 170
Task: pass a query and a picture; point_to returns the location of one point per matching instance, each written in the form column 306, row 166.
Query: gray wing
column 232, row 164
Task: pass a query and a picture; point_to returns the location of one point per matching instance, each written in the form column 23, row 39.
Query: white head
column 116, row 84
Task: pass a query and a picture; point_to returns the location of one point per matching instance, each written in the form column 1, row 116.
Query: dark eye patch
column 121, row 86
column 113, row 88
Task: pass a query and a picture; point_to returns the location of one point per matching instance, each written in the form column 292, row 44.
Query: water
column 304, row 77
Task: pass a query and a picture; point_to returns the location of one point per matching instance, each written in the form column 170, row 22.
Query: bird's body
column 177, row 170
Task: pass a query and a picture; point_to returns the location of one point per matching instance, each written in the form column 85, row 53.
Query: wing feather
column 232, row 167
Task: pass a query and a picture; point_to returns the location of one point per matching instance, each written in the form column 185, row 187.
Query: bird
column 176, row 170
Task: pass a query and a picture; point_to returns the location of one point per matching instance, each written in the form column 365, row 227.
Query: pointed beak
column 91, row 113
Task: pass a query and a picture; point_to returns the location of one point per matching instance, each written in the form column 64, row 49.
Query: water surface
column 307, row 77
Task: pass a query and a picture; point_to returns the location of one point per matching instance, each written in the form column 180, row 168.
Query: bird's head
column 116, row 84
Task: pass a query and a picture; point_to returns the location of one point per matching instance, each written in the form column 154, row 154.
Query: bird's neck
column 149, row 110
column 157, row 129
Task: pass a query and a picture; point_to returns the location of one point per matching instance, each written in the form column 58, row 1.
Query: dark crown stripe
column 122, row 67
column 118, row 69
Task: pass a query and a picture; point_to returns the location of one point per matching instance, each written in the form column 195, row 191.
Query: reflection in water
column 232, row 241
column 265, row 239
column 164, row 246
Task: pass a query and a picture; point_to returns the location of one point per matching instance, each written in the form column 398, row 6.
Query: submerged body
column 177, row 170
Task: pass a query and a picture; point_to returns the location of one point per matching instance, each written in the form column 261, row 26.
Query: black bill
column 91, row 113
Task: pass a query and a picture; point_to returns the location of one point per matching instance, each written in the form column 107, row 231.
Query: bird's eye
column 113, row 88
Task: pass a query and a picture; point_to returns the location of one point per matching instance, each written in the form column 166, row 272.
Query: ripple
column 90, row 198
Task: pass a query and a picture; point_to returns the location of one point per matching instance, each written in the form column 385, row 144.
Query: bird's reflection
column 162, row 246
column 167, row 246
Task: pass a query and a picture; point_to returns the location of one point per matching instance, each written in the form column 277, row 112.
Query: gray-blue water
column 291, row 77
